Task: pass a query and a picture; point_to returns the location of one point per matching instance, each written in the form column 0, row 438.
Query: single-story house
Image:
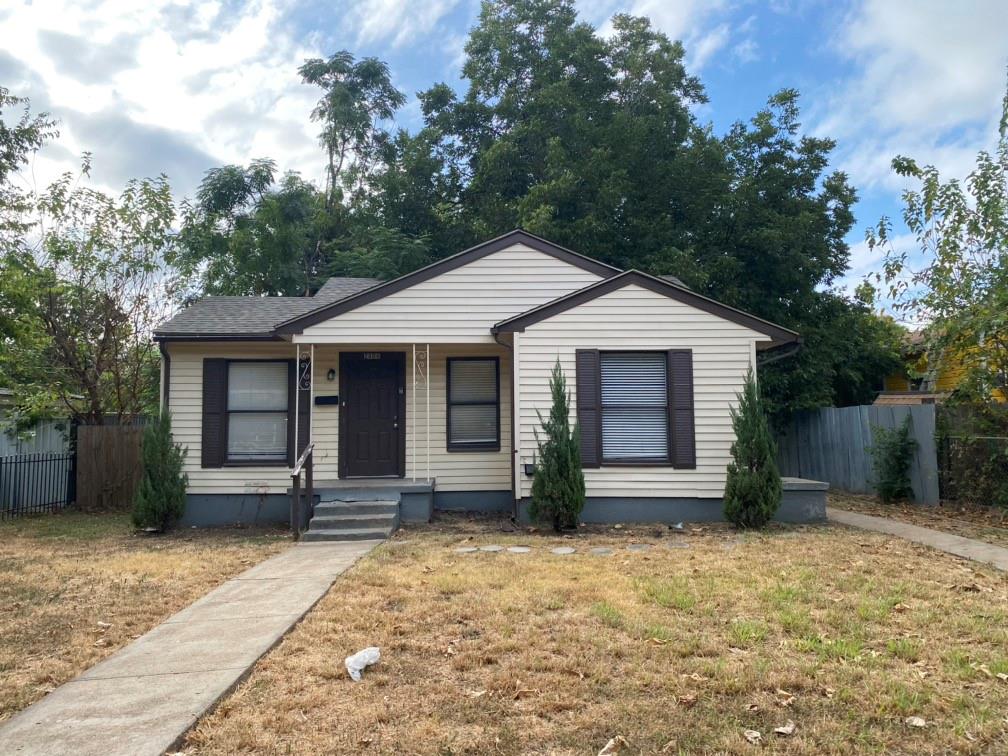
column 427, row 389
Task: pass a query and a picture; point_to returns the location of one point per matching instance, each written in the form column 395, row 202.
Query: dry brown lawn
column 679, row 649
column 988, row 524
column 74, row 588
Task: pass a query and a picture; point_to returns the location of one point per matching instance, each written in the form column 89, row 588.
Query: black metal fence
column 36, row 483
column 974, row 469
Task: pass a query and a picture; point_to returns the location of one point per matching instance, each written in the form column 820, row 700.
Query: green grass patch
column 831, row 648
column 904, row 648
column 747, row 633
column 608, row 614
column 669, row 594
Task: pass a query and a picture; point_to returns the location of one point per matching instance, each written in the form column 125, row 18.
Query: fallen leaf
column 828, row 692
column 524, row 692
column 475, row 693
column 104, row 625
column 786, row 729
column 784, row 698
column 752, row 707
column 753, row 736
column 101, row 642
column 901, row 607
column 687, row 700
column 615, row 745
column 696, row 676
column 982, row 668
column 915, row 722
column 659, row 641
column 1002, row 676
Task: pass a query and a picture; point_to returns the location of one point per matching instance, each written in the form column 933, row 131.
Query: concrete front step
column 346, row 534
column 328, row 508
column 367, row 520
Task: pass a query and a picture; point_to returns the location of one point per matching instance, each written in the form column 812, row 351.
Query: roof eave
column 518, row 236
column 778, row 335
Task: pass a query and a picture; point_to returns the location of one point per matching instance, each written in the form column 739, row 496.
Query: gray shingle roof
column 254, row 316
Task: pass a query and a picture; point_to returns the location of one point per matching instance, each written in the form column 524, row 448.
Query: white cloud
column 928, row 81
column 697, row 23
column 397, row 22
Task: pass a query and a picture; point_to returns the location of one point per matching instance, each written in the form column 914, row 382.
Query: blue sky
column 180, row 87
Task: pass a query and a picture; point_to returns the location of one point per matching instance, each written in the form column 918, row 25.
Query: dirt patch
column 989, row 524
column 74, row 588
column 688, row 646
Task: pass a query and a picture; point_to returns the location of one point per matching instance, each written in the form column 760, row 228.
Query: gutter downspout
column 165, row 375
column 514, row 446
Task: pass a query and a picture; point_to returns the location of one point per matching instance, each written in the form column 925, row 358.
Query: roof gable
column 777, row 334
column 299, row 322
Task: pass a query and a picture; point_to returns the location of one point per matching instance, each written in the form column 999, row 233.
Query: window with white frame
column 257, row 402
column 635, row 411
column 473, row 403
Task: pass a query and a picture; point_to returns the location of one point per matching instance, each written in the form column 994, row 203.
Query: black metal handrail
column 304, row 463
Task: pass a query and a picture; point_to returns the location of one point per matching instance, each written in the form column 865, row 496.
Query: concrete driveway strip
column 978, row 551
column 146, row 696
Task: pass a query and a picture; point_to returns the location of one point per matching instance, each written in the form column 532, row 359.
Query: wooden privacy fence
column 109, row 466
column 831, row 444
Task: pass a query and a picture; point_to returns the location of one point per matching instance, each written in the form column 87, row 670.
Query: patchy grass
column 679, row 650
column 74, row 588
column 989, row 524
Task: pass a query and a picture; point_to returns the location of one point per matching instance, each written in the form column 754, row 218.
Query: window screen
column 257, row 411
column 473, row 403
column 634, row 389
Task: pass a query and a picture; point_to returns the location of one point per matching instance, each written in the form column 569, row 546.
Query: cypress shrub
column 161, row 497
column 558, row 487
column 753, row 488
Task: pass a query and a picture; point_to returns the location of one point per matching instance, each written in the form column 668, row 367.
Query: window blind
column 634, row 389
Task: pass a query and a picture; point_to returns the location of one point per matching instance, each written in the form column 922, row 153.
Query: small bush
column 753, row 487
column 891, row 455
column 162, row 495
column 558, row 487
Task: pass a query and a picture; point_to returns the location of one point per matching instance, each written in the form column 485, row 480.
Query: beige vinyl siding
column 634, row 318
column 185, row 401
column 453, row 471
column 459, row 306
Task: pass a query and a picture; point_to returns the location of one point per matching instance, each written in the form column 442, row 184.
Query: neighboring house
column 920, row 382
column 431, row 385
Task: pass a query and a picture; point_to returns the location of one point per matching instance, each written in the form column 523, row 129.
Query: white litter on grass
column 356, row 663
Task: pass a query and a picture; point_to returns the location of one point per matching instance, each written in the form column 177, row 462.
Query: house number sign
column 372, row 355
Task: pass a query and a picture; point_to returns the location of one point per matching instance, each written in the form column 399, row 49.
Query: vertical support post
column 427, row 371
column 295, row 522
column 311, row 397
column 309, row 487
column 297, row 404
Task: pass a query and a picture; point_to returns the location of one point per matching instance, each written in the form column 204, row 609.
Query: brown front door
column 372, row 414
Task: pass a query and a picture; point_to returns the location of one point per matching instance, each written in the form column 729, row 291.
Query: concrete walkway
column 978, row 551
column 144, row 697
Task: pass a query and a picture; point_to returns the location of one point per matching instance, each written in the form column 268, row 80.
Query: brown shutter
column 682, row 435
column 589, row 406
column 303, row 420
column 214, row 413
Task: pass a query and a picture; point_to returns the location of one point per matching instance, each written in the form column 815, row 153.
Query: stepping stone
column 519, row 549
column 563, row 550
column 466, row 549
column 601, row 551
column 491, row 547
column 638, row 547
column 677, row 545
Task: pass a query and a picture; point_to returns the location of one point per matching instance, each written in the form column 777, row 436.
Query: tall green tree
column 357, row 98
column 247, row 233
column 955, row 280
